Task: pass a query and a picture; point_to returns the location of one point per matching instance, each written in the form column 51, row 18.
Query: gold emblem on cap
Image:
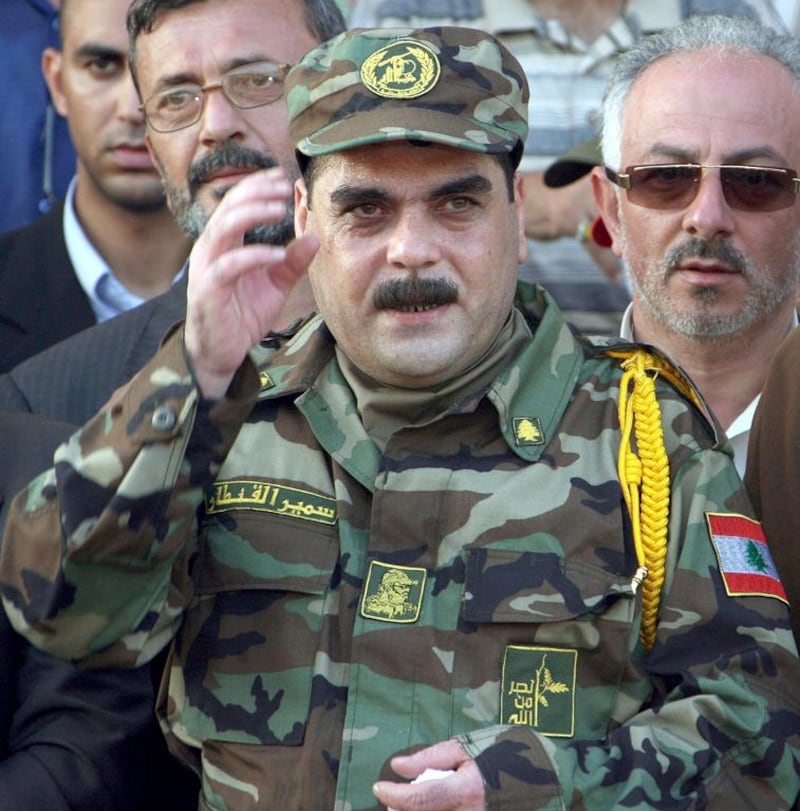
column 403, row 70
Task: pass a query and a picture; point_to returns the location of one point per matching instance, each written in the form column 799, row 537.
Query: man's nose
column 220, row 119
column 412, row 242
column 709, row 215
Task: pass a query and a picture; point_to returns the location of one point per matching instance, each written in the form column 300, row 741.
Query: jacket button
column 164, row 418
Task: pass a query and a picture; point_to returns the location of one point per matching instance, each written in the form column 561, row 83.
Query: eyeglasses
column 245, row 87
column 668, row 186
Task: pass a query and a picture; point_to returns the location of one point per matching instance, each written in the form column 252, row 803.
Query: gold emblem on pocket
column 393, row 593
column 538, row 689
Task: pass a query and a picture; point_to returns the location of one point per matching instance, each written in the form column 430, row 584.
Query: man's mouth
column 132, row 156
column 697, row 259
column 698, row 266
column 417, row 308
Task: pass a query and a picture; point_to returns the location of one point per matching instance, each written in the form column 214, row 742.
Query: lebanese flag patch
column 745, row 562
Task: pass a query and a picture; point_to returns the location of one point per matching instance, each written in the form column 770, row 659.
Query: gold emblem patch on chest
column 538, row 689
column 393, row 593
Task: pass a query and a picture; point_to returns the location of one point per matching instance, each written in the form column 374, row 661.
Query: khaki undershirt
column 385, row 409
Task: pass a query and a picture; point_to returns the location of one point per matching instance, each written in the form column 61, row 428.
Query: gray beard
column 193, row 219
column 767, row 292
column 190, row 215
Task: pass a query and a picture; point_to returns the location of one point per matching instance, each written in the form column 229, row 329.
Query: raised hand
column 236, row 290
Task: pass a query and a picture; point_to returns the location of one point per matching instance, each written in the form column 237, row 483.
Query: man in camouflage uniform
column 586, row 615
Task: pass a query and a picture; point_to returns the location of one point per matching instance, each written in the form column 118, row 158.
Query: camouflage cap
column 453, row 86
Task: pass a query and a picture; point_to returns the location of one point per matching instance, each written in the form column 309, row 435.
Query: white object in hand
column 429, row 774
column 432, row 774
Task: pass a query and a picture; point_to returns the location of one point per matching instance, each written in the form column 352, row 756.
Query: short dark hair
column 324, row 20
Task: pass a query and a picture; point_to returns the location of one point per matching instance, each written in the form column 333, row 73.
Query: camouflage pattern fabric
column 332, row 606
column 454, row 86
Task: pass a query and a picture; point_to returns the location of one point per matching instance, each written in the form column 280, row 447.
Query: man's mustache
column 406, row 293
column 229, row 156
column 721, row 250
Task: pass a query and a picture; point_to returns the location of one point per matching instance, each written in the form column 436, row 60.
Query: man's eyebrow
column 471, row 184
column 91, row 49
column 757, row 153
column 760, row 152
column 345, row 196
column 191, row 77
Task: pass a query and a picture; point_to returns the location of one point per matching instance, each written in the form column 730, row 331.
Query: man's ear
column 607, row 201
column 519, row 205
column 52, row 64
column 301, row 207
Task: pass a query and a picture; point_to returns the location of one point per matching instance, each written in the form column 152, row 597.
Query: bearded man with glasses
column 701, row 141
column 209, row 74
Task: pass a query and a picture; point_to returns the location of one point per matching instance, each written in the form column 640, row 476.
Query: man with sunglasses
column 701, row 141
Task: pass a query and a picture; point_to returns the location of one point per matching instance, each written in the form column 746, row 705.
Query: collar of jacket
column 553, row 358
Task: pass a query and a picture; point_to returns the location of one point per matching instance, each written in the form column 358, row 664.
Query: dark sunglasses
column 674, row 185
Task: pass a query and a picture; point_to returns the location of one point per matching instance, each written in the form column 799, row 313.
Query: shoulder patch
column 528, row 431
column 745, row 562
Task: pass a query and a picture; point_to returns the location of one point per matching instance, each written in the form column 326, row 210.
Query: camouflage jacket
column 332, row 605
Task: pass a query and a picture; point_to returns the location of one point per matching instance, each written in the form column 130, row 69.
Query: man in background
column 700, row 200
column 112, row 243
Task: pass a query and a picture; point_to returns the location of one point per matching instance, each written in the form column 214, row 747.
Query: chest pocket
column 247, row 647
column 536, row 621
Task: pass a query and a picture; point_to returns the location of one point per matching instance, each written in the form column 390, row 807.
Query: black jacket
column 69, row 740
column 41, row 299
column 73, row 379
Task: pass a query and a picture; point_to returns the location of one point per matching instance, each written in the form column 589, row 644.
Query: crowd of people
column 354, row 462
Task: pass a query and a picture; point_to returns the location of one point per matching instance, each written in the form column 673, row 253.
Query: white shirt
column 107, row 295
